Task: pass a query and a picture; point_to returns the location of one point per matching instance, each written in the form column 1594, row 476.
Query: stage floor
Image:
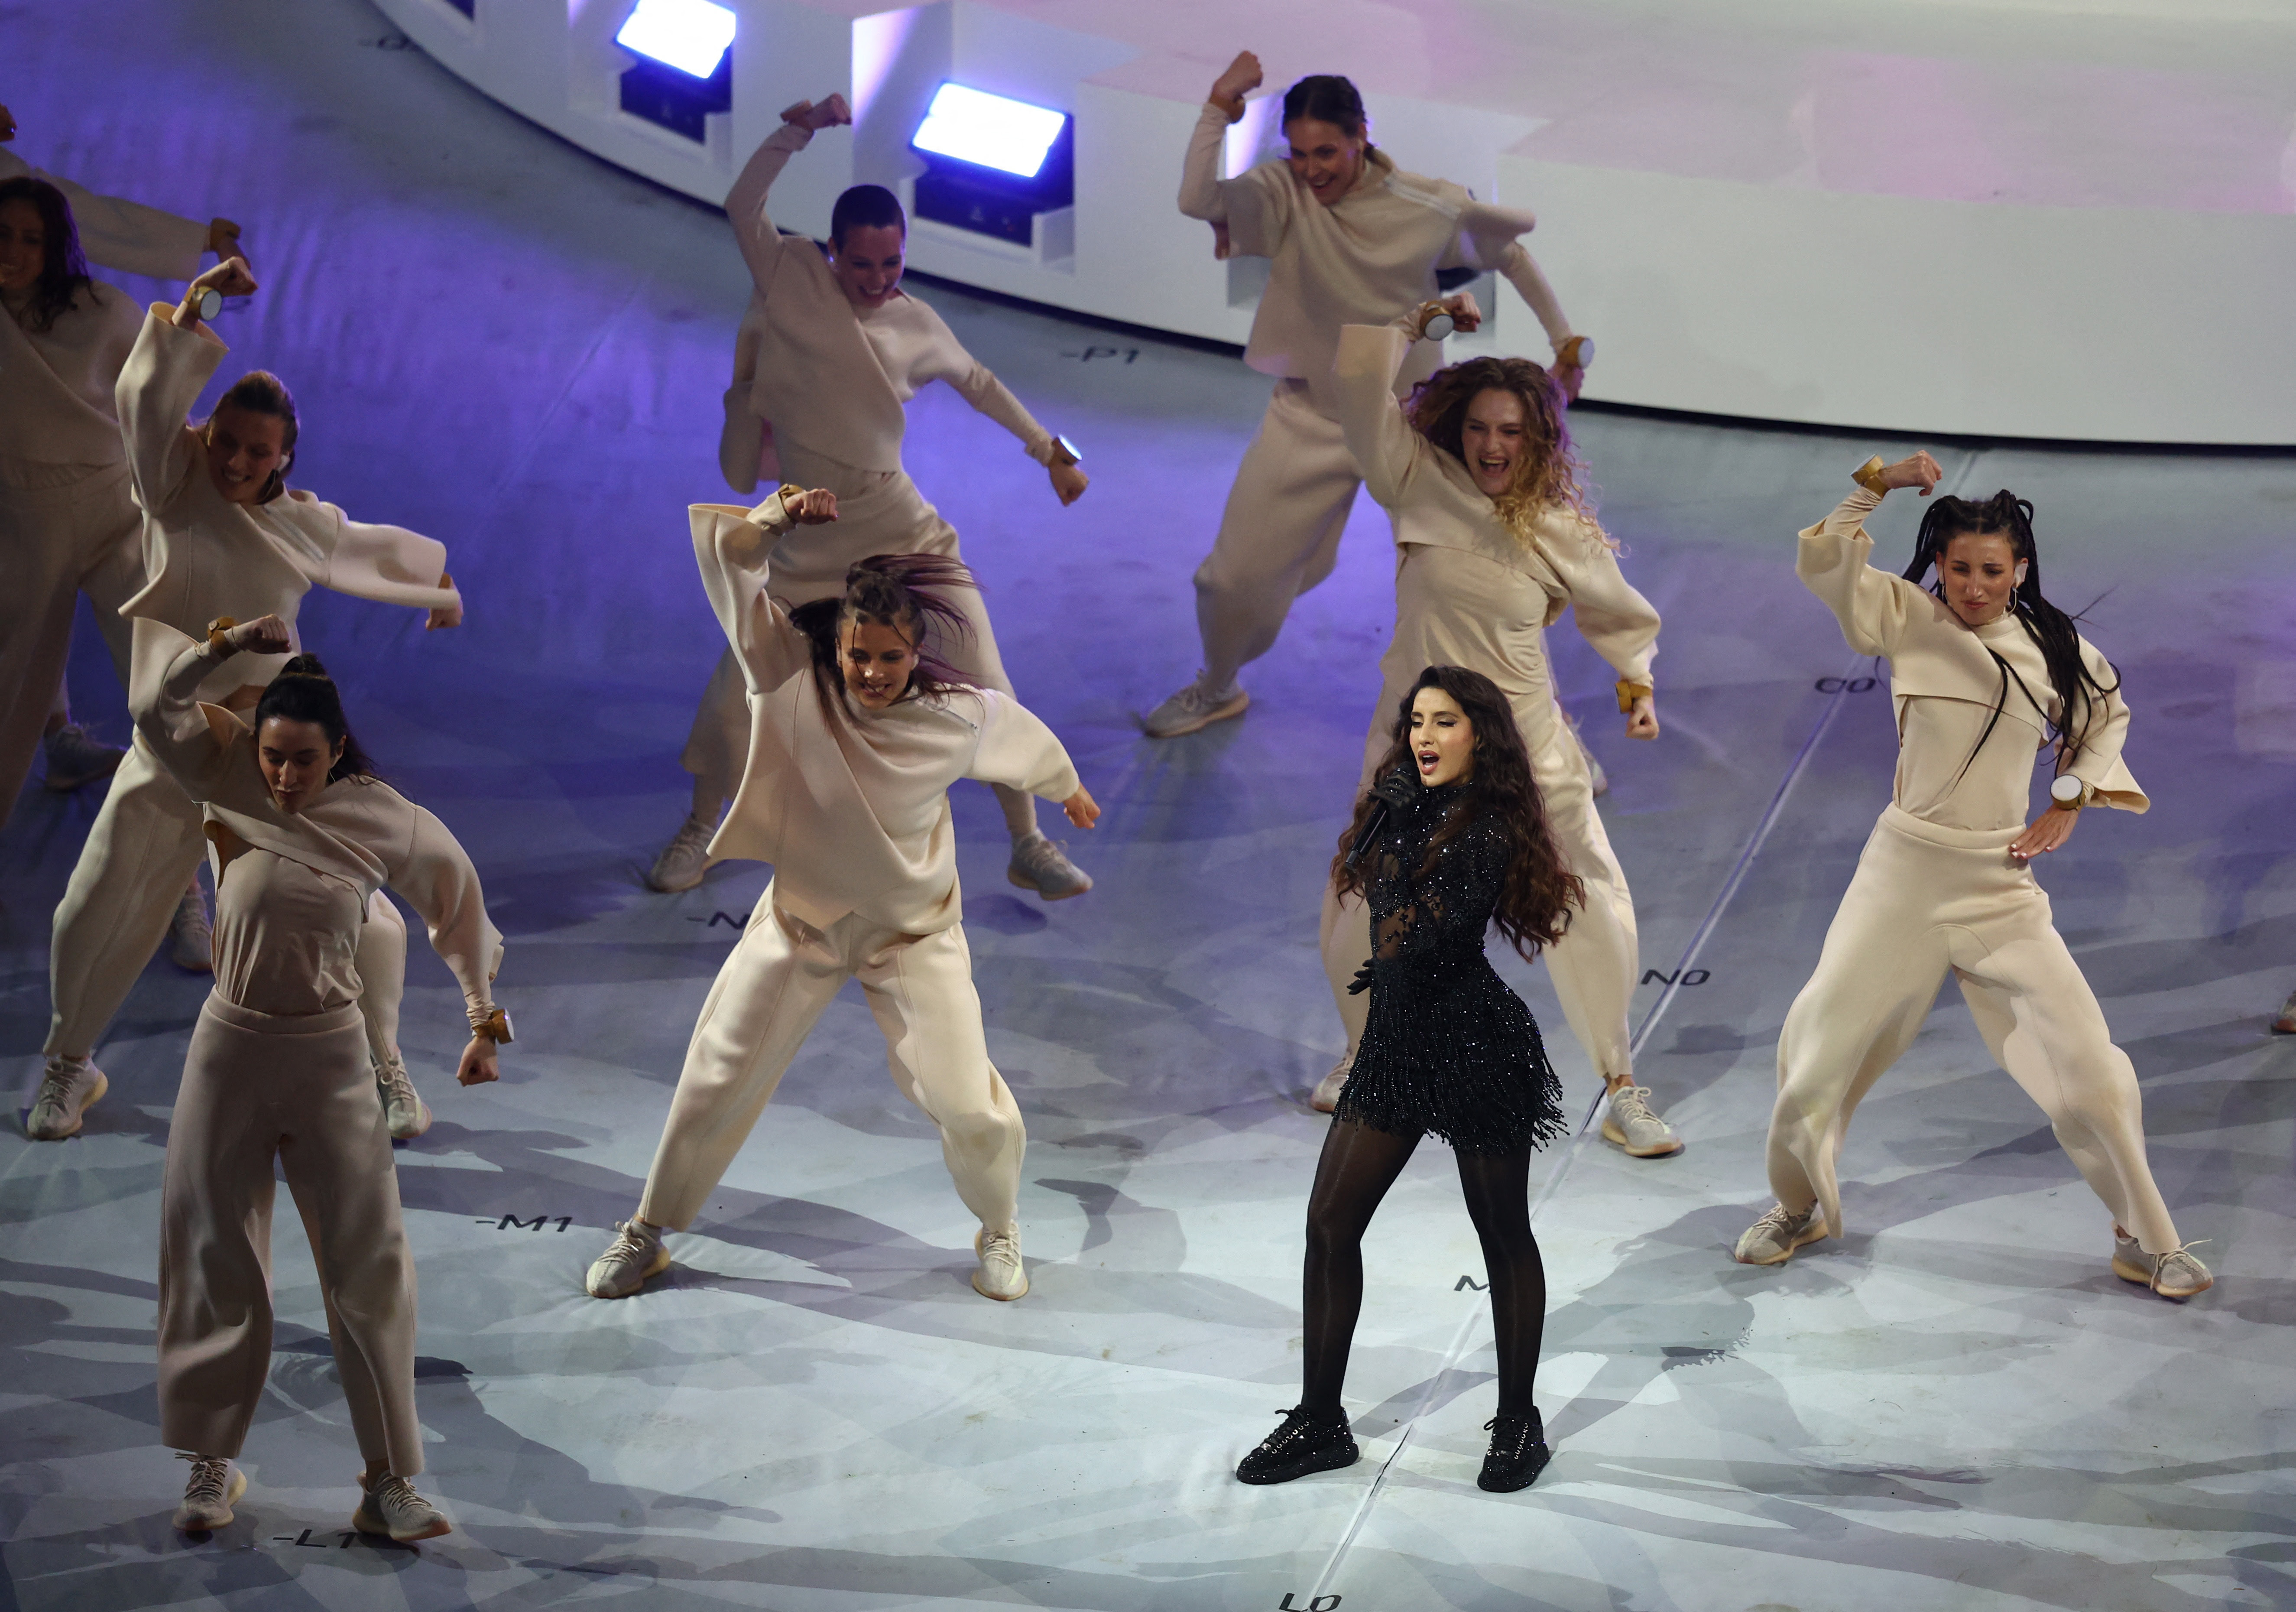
column 502, row 342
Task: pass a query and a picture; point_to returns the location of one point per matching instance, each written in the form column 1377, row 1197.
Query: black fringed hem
column 1465, row 1064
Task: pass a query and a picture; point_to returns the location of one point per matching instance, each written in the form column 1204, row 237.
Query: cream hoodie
column 1944, row 685
column 205, row 557
column 852, row 810
column 1490, row 595
column 291, row 891
column 829, row 378
column 124, row 235
column 1374, row 250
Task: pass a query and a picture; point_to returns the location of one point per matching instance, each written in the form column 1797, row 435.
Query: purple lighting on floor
column 688, row 34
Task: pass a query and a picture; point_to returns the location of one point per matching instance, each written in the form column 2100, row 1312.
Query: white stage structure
column 2050, row 219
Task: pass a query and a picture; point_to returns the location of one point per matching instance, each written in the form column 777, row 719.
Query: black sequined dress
column 1449, row 1049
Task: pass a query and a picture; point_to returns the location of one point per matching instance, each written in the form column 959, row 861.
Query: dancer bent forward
column 222, row 536
column 1449, row 840
column 857, row 728
column 1493, row 542
column 1352, row 238
column 1982, row 669
column 829, row 353
column 301, row 835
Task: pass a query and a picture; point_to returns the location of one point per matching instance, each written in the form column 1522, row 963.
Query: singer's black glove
column 1399, row 788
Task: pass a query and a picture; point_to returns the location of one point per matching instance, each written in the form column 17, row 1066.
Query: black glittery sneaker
column 1518, row 1454
column 1308, row 1441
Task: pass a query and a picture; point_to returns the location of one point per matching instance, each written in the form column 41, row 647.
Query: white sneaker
column 2177, row 1274
column 1193, row 707
column 636, row 1254
column 76, row 757
column 2286, row 1024
column 209, row 1493
column 403, row 1107
column 1001, row 1275
column 1594, row 767
column 1325, row 1098
column 684, row 859
column 190, row 939
column 69, row 1088
column 1772, row 1239
column 1629, row 1122
column 389, row 1505
column 1039, row 864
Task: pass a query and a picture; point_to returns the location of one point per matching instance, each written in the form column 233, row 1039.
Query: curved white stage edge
column 2060, row 219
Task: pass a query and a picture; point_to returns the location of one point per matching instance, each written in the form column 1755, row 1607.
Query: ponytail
column 906, row 592
column 303, row 692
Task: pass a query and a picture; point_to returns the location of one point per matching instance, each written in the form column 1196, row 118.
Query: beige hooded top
column 1469, row 592
column 1944, row 685
column 291, row 890
column 206, row 557
column 852, row 808
column 832, row 379
column 124, row 235
column 1355, row 262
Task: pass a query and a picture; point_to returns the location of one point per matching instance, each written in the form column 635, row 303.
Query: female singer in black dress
column 1450, row 839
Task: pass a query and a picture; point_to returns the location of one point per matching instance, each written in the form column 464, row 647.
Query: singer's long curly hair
column 1549, row 474
column 906, row 592
column 1539, row 891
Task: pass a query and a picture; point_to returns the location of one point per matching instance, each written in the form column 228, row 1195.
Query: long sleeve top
column 1469, row 591
column 851, row 808
column 124, row 235
column 1434, row 921
column 292, row 888
column 57, row 417
column 1355, row 262
column 1946, row 677
column 205, row 556
column 830, row 378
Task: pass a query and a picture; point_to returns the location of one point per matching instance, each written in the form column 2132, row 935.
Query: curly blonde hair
column 1549, row 475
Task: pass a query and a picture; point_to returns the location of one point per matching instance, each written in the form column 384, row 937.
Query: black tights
column 1358, row 1167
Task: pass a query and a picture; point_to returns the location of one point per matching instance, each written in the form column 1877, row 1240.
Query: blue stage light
column 988, row 131
column 688, row 34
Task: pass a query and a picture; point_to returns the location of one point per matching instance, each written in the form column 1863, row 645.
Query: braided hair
column 2079, row 696
column 303, row 692
column 906, row 592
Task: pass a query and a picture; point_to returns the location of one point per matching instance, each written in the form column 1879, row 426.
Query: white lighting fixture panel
column 688, row 34
column 990, row 131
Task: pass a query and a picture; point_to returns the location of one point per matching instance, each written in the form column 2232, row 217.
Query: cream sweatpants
column 1925, row 901
column 56, row 544
column 809, row 562
column 1595, row 963
column 259, row 1088
column 146, row 842
column 782, row 974
column 1279, row 535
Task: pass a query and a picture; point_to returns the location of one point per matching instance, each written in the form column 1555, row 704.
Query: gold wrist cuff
column 494, row 1027
column 1868, row 476
column 1629, row 692
column 216, row 642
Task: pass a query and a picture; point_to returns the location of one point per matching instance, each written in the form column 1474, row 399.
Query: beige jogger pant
column 1279, row 535
column 123, row 892
column 782, row 974
column 257, row 1088
column 1925, row 901
column 56, row 544
column 1594, row 965
column 809, row 562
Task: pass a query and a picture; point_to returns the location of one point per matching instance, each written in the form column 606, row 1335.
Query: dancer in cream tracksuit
column 829, row 354
column 222, row 536
column 68, row 520
column 300, row 836
column 1982, row 670
column 857, row 730
column 1492, row 545
column 1352, row 238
